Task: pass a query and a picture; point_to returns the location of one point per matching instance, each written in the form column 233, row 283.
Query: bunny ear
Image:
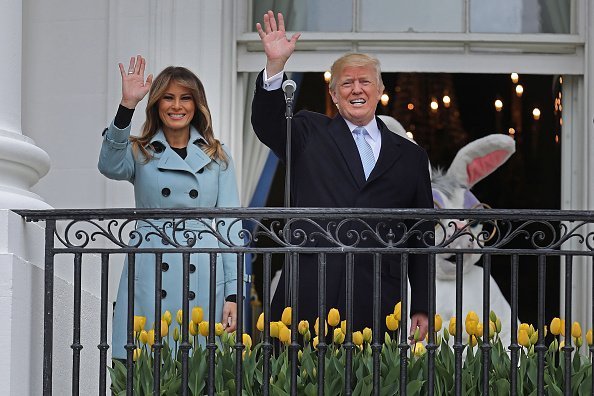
column 480, row 158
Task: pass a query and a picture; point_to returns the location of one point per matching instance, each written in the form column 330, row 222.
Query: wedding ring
column 131, row 72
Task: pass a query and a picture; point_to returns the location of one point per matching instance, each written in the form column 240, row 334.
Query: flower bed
column 362, row 362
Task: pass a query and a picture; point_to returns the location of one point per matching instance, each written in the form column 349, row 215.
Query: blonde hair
column 354, row 60
column 201, row 121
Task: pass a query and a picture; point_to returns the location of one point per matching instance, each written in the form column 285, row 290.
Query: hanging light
column 536, row 113
column 384, row 99
column 515, row 78
column 410, row 106
column 511, row 131
column 447, row 101
column 327, row 76
column 434, row 105
column 498, row 105
column 560, row 79
column 410, row 135
column 519, row 90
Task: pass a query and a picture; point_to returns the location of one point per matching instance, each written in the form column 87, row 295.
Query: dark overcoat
column 327, row 172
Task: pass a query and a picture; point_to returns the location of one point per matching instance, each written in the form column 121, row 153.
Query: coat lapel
column 195, row 160
column 390, row 151
column 346, row 144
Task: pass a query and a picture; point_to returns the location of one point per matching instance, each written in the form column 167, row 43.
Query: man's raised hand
column 277, row 46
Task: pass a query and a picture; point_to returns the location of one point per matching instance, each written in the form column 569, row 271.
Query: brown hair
column 201, row 121
column 354, row 60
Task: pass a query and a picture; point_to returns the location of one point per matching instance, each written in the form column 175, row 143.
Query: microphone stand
column 291, row 259
column 288, row 268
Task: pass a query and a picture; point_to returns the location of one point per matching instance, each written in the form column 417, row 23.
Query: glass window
column 411, row 16
column 486, row 16
column 520, row 16
column 308, row 15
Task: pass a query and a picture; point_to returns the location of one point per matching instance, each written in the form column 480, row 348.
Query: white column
column 22, row 163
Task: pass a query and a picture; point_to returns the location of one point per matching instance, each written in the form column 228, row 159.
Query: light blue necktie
column 365, row 151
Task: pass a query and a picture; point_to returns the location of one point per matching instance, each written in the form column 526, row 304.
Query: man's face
column 357, row 93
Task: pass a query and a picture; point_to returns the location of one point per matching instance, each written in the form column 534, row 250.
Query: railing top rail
column 317, row 213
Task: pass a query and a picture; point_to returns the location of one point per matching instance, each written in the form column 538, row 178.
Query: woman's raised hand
column 277, row 46
column 134, row 87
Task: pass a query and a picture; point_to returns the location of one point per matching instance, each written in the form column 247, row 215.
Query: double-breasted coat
column 169, row 181
column 327, row 172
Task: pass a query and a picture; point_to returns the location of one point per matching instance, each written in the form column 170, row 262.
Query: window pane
column 414, row 16
column 520, row 16
column 308, row 15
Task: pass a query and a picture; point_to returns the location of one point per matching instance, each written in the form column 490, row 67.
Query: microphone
column 289, row 87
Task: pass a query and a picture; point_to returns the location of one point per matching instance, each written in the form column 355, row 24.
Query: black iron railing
column 294, row 232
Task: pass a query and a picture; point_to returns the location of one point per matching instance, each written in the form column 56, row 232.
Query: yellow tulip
column 197, row 315
column 563, row 327
column 137, row 353
column 333, row 317
column 561, row 345
column 392, row 322
column 284, row 335
column 556, row 326
column 316, row 327
column 164, row 328
column 247, row 340
column 472, row 321
column 525, row 326
column 139, row 322
column 314, row 343
column 260, row 323
column 367, row 335
column 286, row 316
column 151, row 337
column 338, row 336
column 303, row 327
column 167, row 317
column 438, row 322
column 589, row 337
column 472, row 341
column 176, row 334
column 472, row 316
column 357, row 338
column 343, row 326
column 193, row 329
column 523, row 338
column 471, row 326
column 452, row 326
column 143, row 336
column 576, row 330
column 498, row 326
column 479, row 330
column 179, row 317
column 274, row 330
column 419, row 349
column 203, row 328
column 219, row 330
column 398, row 311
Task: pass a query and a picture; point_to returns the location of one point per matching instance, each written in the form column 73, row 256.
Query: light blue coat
column 168, row 181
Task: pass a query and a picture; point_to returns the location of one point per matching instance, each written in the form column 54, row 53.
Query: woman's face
column 176, row 109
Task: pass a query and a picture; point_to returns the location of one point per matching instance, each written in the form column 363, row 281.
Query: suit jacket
column 327, row 172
